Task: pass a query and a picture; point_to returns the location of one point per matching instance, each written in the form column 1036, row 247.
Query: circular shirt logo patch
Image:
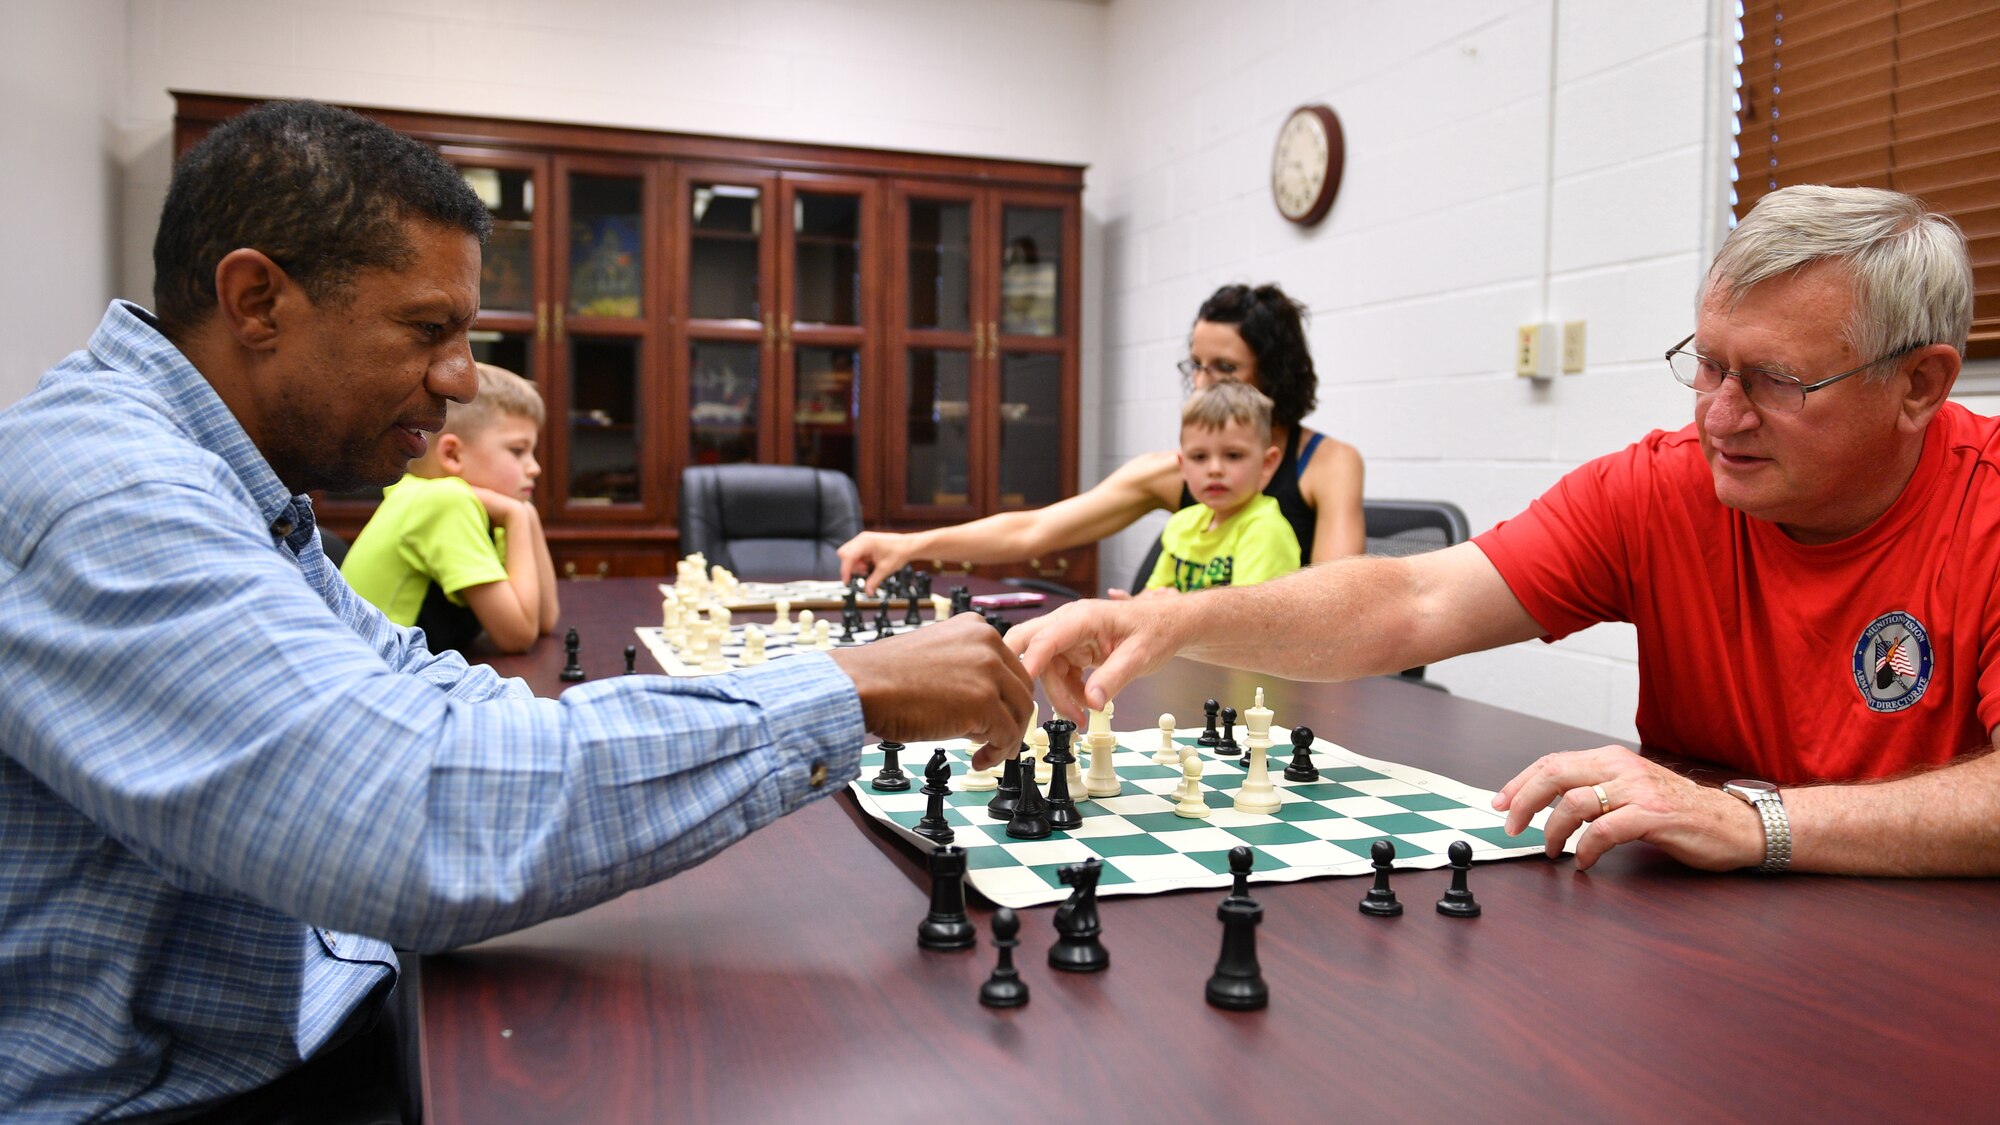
column 1892, row 662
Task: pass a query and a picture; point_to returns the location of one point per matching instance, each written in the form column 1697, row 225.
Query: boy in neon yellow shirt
column 1234, row 535
column 456, row 546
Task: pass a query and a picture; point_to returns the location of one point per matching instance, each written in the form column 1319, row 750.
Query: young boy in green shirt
column 456, row 546
column 1233, row 535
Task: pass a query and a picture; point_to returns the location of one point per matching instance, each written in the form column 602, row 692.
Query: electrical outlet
column 1532, row 344
column 1572, row 347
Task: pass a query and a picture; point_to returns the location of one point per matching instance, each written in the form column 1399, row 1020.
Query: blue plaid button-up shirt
column 218, row 766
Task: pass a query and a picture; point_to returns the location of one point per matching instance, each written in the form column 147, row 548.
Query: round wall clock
column 1306, row 164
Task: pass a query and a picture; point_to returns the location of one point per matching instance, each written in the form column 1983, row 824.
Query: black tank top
column 1284, row 488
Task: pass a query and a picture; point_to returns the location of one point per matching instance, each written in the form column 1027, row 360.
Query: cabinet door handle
column 603, row 570
column 559, row 323
column 541, row 320
column 770, row 334
column 785, row 334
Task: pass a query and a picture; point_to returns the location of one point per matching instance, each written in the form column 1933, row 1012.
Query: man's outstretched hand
column 953, row 680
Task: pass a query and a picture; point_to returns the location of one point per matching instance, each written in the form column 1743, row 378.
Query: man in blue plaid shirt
column 227, row 785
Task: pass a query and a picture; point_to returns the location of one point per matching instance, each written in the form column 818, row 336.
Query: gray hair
column 1912, row 279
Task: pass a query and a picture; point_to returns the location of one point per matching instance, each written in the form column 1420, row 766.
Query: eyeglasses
column 1216, row 371
column 1766, row 390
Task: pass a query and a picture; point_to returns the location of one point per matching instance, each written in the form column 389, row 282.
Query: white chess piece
column 940, row 608
column 805, row 623
column 1102, row 780
column 1168, row 754
column 822, row 633
column 1258, row 795
column 1188, row 802
column 714, row 661
column 1074, row 771
column 783, row 624
column 981, row 780
column 697, row 647
column 753, row 646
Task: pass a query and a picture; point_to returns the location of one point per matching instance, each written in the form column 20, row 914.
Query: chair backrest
column 768, row 522
column 1411, row 527
column 1145, row 574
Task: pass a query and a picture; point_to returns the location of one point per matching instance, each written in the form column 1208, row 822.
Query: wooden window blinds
column 1901, row 94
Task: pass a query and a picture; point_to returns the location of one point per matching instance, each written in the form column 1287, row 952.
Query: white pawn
column 783, row 624
column 1102, row 780
column 696, row 651
column 940, row 608
column 670, row 615
column 753, row 646
column 805, row 623
column 980, row 780
column 719, row 616
column 1038, row 746
column 1168, row 754
column 822, row 633
column 714, row 661
column 1258, row 795
column 1188, row 802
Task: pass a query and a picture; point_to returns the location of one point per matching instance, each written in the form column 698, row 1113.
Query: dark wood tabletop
column 781, row 981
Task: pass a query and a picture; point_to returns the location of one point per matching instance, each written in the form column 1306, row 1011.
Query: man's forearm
column 1942, row 822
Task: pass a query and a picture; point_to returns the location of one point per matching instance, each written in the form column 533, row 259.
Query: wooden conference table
column 781, row 981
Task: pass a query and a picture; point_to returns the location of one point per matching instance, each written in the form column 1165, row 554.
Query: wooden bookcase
column 908, row 319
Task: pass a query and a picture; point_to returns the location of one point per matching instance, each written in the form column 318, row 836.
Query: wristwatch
column 1763, row 796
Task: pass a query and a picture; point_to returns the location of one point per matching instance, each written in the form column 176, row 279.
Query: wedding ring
column 1603, row 802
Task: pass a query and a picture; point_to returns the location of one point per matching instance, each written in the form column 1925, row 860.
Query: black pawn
column 883, row 626
column 961, row 600
column 1005, row 988
column 1301, row 767
column 850, row 612
column 1380, row 900
column 1008, row 793
column 572, row 671
column 1210, row 737
column 631, row 659
column 999, row 623
column 1077, row 948
column 1063, row 814
column 1458, row 902
column 923, row 586
column 937, row 786
column 946, row 926
column 1238, row 983
column 891, row 778
column 913, row 614
column 1225, row 747
column 1031, row 814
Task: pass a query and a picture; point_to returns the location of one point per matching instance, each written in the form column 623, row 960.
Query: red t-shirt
column 1856, row 659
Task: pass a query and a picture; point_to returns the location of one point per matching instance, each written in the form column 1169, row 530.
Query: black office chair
column 1411, row 527
column 769, row 522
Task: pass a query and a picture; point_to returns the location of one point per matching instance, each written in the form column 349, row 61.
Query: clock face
column 1306, row 164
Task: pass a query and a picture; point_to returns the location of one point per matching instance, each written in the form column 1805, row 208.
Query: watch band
column 1777, row 832
column 1770, row 806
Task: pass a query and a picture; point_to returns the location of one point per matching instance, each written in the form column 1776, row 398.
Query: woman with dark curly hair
column 1253, row 334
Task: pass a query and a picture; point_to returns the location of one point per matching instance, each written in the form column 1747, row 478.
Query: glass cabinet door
column 940, row 265
column 1030, row 271
column 725, row 250
column 822, row 338
column 826, row 407
column 937, row 428
column 607, row 246
column 507, row 262
column 1031, row 419
column 826, row 258
column 724, row 389
column 604, row 421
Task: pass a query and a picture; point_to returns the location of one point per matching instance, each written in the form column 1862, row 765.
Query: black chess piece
column 891, row 778
column 1225, row 747
column 1008, row 793
column 631, row 660
column 1005, row 988
column 961, row 600
column 923, row 583
column 937, row 786
column 946, row 926
column 1238, row 982
column 1063, row 814
column 572, row 671
column 1209, row 735
column 999, row 623
column 1031, row 814
column 1301, row 767
column 1077, row 948
column 913, row 614
column 850, row 612
column 1380, row 900
column 883, row 626
column 1458, row 902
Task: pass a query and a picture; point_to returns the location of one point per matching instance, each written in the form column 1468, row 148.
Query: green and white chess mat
column 1322, row 828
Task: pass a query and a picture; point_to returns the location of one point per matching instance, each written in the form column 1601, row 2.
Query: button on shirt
column 219, row 768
